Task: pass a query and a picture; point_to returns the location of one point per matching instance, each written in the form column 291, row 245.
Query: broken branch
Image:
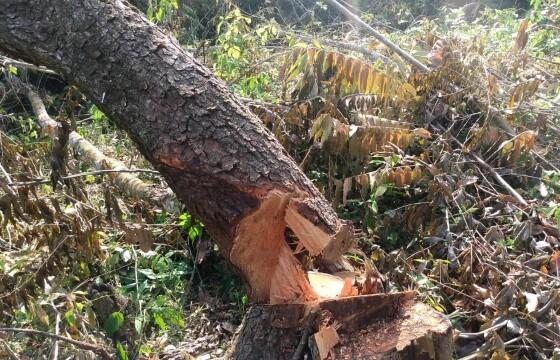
column 82, row 174
column 6, row 61
column 119, row 173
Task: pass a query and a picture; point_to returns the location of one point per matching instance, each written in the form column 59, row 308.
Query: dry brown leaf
column 523, row 91
column 492, row 84
column 522, row 36
column 554, row 263
column 137, row 234
column 422, row 133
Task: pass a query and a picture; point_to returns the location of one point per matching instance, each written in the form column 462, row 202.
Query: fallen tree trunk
column 214, row 153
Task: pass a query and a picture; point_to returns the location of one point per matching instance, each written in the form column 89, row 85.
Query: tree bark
column 215, row 154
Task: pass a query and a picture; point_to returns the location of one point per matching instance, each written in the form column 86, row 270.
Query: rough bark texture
column 216, row 156
column 382, row 326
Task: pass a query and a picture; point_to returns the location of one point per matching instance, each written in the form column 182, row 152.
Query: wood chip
column 322, row 342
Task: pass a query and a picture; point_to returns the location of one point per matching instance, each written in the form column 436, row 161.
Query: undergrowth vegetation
column 451, row 179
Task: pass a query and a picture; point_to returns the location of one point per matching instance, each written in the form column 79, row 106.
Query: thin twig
column 80, row 344
column 475, row 335
column 54, row 350
column 137, row 283
column 499, row 179
column 6, row 175
column 9, row 350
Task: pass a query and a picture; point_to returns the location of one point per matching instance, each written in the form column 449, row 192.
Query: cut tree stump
column 380, row 326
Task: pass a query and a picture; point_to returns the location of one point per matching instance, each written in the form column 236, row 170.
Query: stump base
column 377, row 326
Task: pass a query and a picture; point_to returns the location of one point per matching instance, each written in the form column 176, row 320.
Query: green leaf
column 373, row 206
column 394, row 160
column 159, row 14
column 12, row 70
column 381, row 189
column 194, row 232
column 113, row 323
column 184, row 220
column 234, row 52
column 149, row 273
column 70, row 317
column 121, row 353
column 139, row 324
column 316, row 44
column 174, row 317
column 159, row 321
column 96, row 114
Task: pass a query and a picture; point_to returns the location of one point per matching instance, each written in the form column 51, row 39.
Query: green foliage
column 508, row 242
column 12, row 70
column 237, row 52
column 552, row 212
column 164, row 315
column 28, row 133
column 113, row 323
column 97, row 115
column 160, row 285
column 426, row 220
column 162, row 11
column 71, row 318
column 495, row 29
column 120, row 351
column 192, row 229
column 428, row 290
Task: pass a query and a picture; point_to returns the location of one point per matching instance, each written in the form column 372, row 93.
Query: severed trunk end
column 268, row 264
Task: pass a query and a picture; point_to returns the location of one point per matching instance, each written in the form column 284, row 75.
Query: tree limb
column 128, row 183
column 499, row 179
column 82, row 174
